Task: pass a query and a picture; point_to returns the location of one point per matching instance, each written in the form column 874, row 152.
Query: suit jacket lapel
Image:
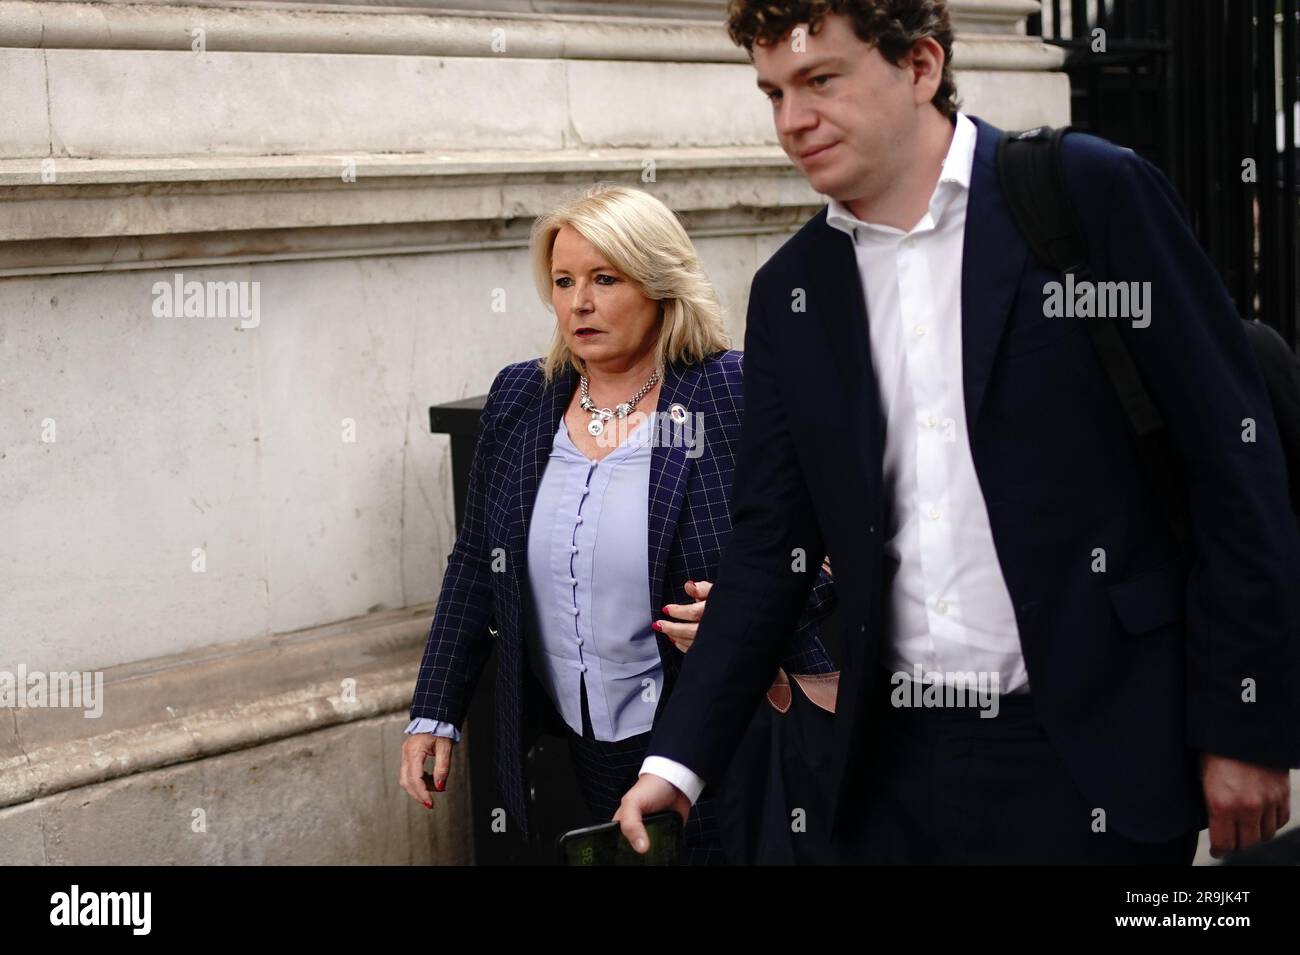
column 843, row 313
column 836, row 301
column 669, row 467
column 537, row 436
column 993, row 258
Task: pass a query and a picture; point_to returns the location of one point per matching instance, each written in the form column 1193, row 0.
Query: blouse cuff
column 436, row 727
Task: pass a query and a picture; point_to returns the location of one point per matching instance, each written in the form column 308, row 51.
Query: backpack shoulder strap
column 1032, row 178
column 1281, row 372
column 1029, row 171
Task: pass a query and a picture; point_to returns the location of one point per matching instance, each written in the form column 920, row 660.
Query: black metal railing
column 1207, row 90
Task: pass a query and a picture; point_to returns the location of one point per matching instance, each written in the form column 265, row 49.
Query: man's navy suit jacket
column 1133, row 670
column 688, row 526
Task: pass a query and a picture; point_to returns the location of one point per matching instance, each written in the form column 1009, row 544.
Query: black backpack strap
column 1029, row 171
column 1282, row 381
column 1032, row 178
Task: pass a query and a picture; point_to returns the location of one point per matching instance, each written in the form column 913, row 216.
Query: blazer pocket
column 1037, row 334
column 1150, row 600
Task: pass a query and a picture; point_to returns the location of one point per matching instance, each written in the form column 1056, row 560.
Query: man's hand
column 650, row 795
column 683, row 634
column 1247, row 803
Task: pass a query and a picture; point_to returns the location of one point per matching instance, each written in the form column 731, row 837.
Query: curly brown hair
column 892, row 26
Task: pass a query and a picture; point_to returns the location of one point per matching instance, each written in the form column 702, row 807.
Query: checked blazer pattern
column 485, row 582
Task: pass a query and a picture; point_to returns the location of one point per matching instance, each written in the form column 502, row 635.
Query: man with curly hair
column 1036, row 668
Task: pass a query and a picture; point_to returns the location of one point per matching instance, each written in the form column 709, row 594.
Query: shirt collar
column 956, row 169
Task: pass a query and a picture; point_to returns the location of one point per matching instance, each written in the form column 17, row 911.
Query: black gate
column 1205, row 89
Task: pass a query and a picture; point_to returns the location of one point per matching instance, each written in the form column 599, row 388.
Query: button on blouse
column 588, row 577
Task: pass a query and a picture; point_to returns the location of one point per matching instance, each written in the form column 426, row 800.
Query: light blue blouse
column 590, row 615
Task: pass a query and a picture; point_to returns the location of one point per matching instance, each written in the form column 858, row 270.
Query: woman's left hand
column 683, row 634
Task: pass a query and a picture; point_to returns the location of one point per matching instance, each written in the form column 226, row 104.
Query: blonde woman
column 596, row 515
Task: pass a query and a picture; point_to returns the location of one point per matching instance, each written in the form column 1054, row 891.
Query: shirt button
column 941, row 606
column 578, row 640
column 573, row 581
column 934, row 513
column 931, row 421
column 586, row 490
column 581, row 668
column 574, row 610
column 918, row 330
column 573, row 548
column 578, row 519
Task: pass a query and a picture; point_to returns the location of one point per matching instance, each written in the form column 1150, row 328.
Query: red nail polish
column 658, row 626
column 428, row 805
column 664, row 609
column 440, row 786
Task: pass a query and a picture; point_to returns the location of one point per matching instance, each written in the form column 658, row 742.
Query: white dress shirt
column 950, row 610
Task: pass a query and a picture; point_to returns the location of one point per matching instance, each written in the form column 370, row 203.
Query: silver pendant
column 595, row 427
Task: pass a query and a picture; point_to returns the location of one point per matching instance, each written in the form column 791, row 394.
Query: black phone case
column 604, row 844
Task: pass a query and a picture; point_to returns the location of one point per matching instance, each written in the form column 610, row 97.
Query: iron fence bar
column 1265, row 155
column 1287, row 202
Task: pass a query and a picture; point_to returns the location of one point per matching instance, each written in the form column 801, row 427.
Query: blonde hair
column 640, row 237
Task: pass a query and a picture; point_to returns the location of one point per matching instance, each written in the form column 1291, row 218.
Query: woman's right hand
column 415, row 750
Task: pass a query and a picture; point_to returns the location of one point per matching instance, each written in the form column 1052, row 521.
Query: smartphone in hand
column 605, row 845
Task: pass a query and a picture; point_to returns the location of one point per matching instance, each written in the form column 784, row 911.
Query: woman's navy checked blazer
column 689, row 525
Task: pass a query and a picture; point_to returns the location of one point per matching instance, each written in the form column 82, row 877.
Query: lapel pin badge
column 677, row 412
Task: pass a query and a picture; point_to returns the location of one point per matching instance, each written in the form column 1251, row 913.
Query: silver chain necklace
column 596, row 426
